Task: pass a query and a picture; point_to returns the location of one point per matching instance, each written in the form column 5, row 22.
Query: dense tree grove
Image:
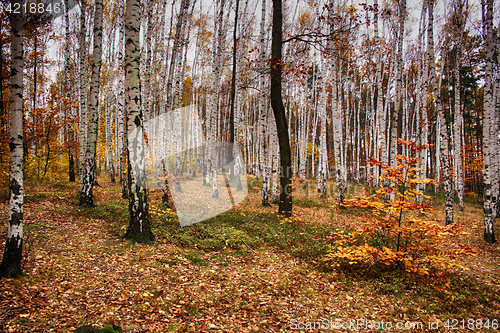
column 309, row 90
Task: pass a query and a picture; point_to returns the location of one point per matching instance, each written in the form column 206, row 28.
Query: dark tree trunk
column 285, row 203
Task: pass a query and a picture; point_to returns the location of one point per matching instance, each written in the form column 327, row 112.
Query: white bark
column 322, row 165
column 139, row 219
column 457, row 130
column 489, row 143
column 443, row 133
column 263, row 112
column 337, row 138
column 86, row 194
column 67, row 90
column 12, row 258
column 421, row 111
column 83, row 87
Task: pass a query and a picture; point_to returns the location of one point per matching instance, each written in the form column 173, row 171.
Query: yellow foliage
column 401, row 233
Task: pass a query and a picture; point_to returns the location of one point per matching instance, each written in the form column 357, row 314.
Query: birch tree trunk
column 457, row 130
column 443, row 133
column 322, row 145
column 275, row 161
column 489, row 149
column 86, row 194
column 83, row 85
column 109, row 143
column 457, row 33
column 139, row 229
column 263, row 123
column 71, row 162
column 214, row 105
column 122, row 114
column 12, row 257
column 421, row 111
column 146, row 87
column 381, row 116
column 399, row 86
column 337, row 137
column 496, row 187
column 232, row 97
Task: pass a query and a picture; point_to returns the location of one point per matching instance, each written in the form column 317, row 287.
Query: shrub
column 400, row 232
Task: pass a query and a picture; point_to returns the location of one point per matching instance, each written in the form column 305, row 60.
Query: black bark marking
column 15, row 188
column 12, row 258
column 16, row 218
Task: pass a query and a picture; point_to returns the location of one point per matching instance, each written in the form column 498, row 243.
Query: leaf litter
column 78, row 272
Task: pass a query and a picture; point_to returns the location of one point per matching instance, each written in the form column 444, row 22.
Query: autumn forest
column 249, row 165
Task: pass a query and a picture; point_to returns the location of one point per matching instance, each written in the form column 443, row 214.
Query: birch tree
column 139, row 228
column 71, row 162
column 86, row 194
column 265, row 172
column 232, row 97
column 12, row 257
column 217, row 55
column 83, row 59
column 122, row 115
column 336, row 112
column 443, row 133
column 458, row 28
column 490, row 148
column 381, row 115
column 421, row 111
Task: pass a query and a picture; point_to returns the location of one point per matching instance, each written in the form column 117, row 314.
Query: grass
column 310, row 203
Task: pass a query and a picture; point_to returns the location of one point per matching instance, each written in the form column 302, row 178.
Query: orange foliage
column 401, row 233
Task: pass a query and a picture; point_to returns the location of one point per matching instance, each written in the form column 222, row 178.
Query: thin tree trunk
column 381, row 124
column 322, row 145
column 489, row 151
column 457, row 130
column 12, row 257
column 263, row 111
column 421, row 112
column 397, row 111
column 109, row 143
column 443, row 133
column 71, row 162
column 230, row 148
column 337, row 137
column 122, row 114
column 83, row 58
column 86, row 194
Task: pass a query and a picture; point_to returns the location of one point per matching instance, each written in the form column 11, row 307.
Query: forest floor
column 243, row 271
